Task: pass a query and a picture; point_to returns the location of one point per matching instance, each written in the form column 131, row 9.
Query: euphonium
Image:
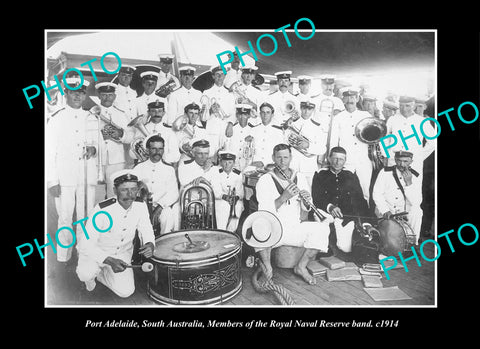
column 109, row 130
column 295, row 137
column 181, row 124
column 167, row 88
column 137, row 146
column 370, row 130
column 197, row 204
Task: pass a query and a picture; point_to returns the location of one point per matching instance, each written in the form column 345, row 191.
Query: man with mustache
column 281, row 98
column 149, row 82
column 399, row 188
column 107, row 252
column 327, row 104
column 161, row 181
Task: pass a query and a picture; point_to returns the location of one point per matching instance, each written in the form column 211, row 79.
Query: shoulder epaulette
column 186, row 162
column 138, row 199
column 166, row 125
column 59, row 110
column 315, row 96
column 107, row 202
column 251, row 125
column 236, row 171
column 235, row 123
column 220, row 170
column 314, row 122
column 279, row 127
column 271, row 93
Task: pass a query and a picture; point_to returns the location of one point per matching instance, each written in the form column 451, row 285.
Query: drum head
column 392, row 237
column 210, row 243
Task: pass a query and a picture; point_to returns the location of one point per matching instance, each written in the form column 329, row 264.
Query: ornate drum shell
column 207, row 277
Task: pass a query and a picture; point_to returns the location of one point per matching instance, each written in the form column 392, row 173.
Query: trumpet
column 205, row 101
column 241, row 97
column 308, row 203
column 232, row 200
column 137, row 146
column 248, row 151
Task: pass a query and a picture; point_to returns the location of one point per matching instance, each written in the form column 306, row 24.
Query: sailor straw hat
column 261, row 229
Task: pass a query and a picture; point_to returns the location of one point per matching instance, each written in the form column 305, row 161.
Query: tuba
column 137, row 146
column 197, row 204
column 370, row 130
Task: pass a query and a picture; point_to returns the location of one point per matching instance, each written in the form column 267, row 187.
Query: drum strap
column 397, row 180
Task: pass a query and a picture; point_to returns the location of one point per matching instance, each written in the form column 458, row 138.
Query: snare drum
column 396, row 235
column 203, row 270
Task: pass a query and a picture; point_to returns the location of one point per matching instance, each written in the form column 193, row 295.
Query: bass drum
column 196, row 267
column 395, row 236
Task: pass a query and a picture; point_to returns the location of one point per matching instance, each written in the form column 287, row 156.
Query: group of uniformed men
column 221, row 135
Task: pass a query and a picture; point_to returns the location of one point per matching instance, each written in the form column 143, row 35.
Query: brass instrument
column 241, row 97
column 181, row 125
column 309, row 204
column 197, row 205
column 137, row 146
column 232, row 217
column 110, row 127
column 220, row 113
column 167, row 88
column 294, row 139
column 248, row 151
column 146, row 196
column 205, row 102
column 370, row 130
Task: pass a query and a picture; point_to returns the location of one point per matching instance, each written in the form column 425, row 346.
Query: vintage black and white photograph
column 240, row 168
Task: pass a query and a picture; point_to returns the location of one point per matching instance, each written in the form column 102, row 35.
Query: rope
column 267, row 285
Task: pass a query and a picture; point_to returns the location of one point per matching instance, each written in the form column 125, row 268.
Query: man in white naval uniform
column 113, row 152
column 161, row 181
column 283, row 96
column 240, row 143
column 246, row 93
column 403, row 122
column 154, row 125
column 183, row 96
column 313, row 143
column 126, row 96
column 224, row 179
column 198, row 166
column 234, row 73
column 304, row 86
column 164, row 75
column 399, row 188
column 149, row 81
column 281, row 198
column 71, row 144
column 126, row 101
column 220, row 101
column 107, row 251
column 343, row 135
column 265, row 136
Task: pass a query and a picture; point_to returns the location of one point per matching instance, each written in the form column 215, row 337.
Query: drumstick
column 146, row 267
column 189, row 240
column 367, row 217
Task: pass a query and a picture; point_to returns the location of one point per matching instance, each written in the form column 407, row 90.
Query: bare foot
column 305, row 275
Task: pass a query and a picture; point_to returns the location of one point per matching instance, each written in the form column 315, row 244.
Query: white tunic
column 178, row 100
column 236, row 144
column 278, row 100
column 224, row 98
column 125, row 100
column 266, row 138
column 67, row 132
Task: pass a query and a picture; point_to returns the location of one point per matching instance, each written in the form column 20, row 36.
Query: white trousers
column 170, row 219
column 363, row 169
column 122, row 284
column 222, row 212
column 344, row 234
column 414, row 219
column 71, row 197
column 311, row 235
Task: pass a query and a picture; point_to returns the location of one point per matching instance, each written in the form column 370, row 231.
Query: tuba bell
column 370, row 130
column 181, row 125
column 137, row 147
column 167, row 88
column 197, row 204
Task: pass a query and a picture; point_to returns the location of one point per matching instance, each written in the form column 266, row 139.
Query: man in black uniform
column 338, row 192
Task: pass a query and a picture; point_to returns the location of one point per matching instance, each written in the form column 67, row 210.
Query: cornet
column 220, row 113
column 181, row 124
column 110, row 129
column 137, row 145
column 294, row 139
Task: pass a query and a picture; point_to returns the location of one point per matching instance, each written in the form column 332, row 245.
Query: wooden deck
column 64, row 289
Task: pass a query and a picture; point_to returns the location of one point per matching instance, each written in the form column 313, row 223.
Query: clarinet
column 308, row 203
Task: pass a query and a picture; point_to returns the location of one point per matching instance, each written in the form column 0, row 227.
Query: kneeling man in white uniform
column 105, row 250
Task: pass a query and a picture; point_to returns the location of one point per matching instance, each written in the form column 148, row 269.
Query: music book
column 343, row 274
column 372, row 281
column 316, row 268
column 332, row 262
column 386, row 293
